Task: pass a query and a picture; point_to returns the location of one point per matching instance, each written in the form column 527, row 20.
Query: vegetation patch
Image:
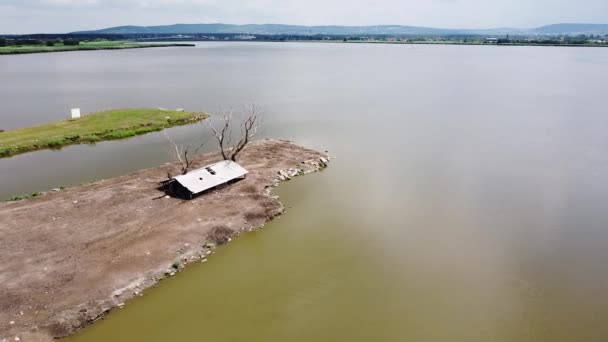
column 23, row 46
column 219, row 235
column 92, row 128
column 254, row 216
column 22, row 197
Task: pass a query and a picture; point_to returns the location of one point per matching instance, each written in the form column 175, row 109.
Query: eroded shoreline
column 71, row 256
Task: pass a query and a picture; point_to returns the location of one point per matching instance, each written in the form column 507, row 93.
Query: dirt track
column 68, row 257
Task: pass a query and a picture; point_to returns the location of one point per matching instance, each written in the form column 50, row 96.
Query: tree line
column 37, row 42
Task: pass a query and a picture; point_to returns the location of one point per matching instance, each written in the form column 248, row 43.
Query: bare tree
column 180, row 154
column 224, row 134
column 248, row 129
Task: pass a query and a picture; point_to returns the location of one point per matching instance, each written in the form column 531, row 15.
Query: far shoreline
column 4, row 51
column 447, row 43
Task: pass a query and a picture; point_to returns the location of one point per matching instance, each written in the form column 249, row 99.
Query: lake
column 467, row 200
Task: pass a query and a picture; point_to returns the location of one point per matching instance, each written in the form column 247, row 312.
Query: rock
column 11, row 322
column 56, row 189
column 167, row 196
column 120, row 305
column 180, row 110
column 75, row 202
column 284, row 175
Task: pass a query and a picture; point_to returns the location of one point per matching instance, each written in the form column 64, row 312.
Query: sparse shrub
column 219, row 235
column 5, row 151
column 268, row 203
column 22, row 197
column 91, row 139
column 175, row 265
column 255, row 215
column 121, row 134
column 57, row 143
column 144, row 130
column 249, row 189
column 72, row 137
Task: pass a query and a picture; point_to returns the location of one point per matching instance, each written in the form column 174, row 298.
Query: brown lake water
column 468, row 200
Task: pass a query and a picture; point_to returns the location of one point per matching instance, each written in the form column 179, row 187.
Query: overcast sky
column 29, row 16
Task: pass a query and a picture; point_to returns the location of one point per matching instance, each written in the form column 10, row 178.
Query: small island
column 25, row 46
column 93, row 128
column 69, row 256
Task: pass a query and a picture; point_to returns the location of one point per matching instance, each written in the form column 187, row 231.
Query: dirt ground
column 68, row 257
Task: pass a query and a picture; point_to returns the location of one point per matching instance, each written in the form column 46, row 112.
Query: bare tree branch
column 249, row 129
column 181, row 155
column 223, row 135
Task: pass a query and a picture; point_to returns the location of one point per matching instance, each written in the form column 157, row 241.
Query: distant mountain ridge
column 276, row 29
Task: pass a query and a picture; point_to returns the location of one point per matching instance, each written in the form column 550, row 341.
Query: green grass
column 92, row 128
column 22, row 197
column 97, row 45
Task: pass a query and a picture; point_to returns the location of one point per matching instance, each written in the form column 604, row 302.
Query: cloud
column 21, row 16
column 47, row 4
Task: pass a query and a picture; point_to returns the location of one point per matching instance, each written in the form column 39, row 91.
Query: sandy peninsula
column 68, row 257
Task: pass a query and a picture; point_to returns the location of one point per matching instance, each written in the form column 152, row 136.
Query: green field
column 92, row 128
column 97, row 45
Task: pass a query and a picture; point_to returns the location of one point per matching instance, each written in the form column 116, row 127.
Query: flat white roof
column 211, row 176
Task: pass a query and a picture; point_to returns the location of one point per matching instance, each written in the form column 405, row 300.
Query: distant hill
column 573, row 29
column 269, row 29
column 275, row 29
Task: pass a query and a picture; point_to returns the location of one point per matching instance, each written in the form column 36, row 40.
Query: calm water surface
column 467, row 201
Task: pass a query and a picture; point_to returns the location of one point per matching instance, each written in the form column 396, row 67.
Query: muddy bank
column 70, row 256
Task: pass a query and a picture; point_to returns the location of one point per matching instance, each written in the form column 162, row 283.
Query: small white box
column 75, row 113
